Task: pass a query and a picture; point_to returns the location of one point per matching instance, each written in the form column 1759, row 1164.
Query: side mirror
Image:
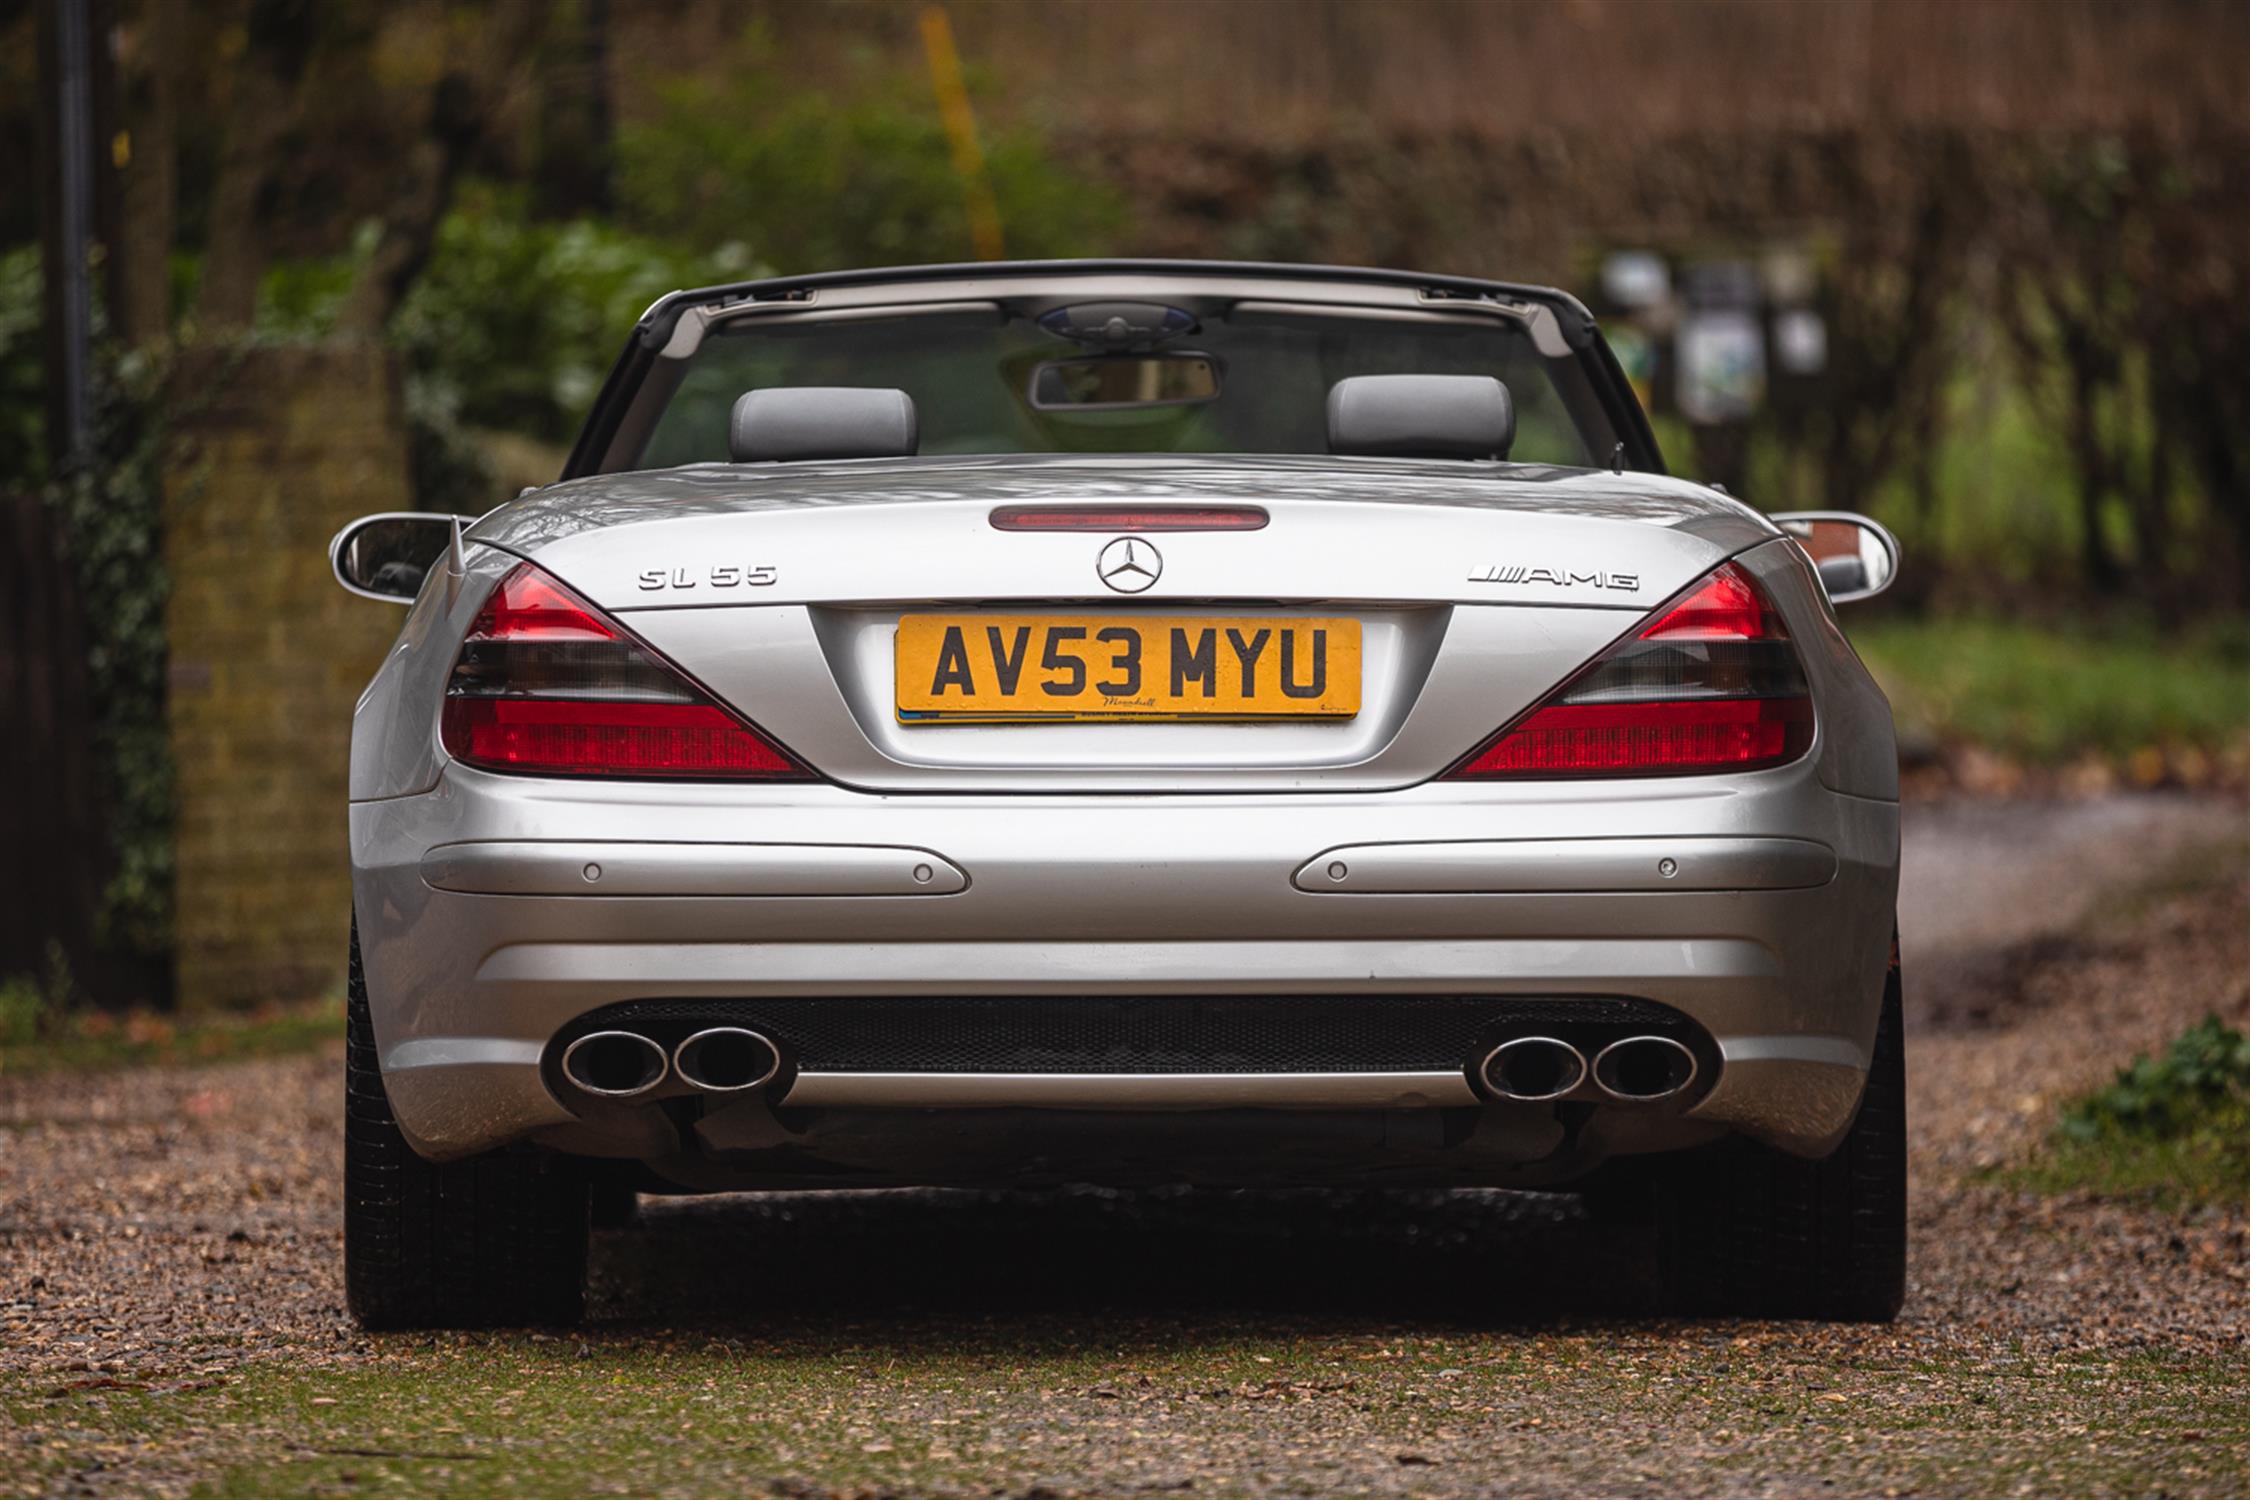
column 1857, row 558
column 387, row 556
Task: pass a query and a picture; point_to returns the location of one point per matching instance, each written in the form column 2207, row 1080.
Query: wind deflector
column 1421, row 416
column 822, row 421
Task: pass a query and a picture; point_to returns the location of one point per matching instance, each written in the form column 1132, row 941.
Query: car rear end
column 1234, row 820
column 1549, row 813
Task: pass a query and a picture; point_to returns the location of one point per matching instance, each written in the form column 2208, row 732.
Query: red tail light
column 1712, row 684
column 546, row 683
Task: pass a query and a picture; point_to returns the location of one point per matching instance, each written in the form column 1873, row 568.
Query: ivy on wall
column 112, row 515
column 112, row 518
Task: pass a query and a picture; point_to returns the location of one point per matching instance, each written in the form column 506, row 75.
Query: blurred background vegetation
column 1981, row 263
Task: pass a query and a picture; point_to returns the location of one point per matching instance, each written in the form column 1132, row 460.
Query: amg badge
column 1561, row 578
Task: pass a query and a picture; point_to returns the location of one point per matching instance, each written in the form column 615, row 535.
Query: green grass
column 1003, row 1409
column 97, row 1039
column 2046, row 696
column 2207, row 1165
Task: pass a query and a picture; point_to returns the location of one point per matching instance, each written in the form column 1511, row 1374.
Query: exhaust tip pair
column 628, row 1065
column 1636, row 1070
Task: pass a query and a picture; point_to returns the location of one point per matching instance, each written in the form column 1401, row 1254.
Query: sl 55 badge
column 1561, row 578
column 722, row 576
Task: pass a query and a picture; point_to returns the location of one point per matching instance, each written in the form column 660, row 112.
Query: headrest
column 822, row 421
column 1421, row 416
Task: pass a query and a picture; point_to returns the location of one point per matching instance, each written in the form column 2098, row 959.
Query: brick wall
column 279, row 447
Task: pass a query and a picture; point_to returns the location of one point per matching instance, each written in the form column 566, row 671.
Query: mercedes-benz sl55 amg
column 1124, row 723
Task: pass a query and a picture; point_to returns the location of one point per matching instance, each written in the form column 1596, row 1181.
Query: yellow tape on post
column 961, row 133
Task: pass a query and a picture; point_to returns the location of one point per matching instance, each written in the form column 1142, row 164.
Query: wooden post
column 66, row 77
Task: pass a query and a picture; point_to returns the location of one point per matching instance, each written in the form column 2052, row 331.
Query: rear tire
column 491, row 1241
column 1744, row 1230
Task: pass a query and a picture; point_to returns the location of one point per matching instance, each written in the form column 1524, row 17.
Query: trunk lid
column 1475, row 588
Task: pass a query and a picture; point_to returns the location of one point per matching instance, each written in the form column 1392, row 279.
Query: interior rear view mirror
column 386, row 556
column 1856, row 557
column 1113, row 382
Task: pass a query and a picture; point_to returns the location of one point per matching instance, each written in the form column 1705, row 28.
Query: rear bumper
column 495, row 911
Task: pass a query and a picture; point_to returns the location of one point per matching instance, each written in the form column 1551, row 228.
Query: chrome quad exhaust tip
column 615, row 1064
column 1644, row 1069
column 1533, row 1069
column 726, row 1060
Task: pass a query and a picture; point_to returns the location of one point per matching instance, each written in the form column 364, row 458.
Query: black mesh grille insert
column 1144, row 1033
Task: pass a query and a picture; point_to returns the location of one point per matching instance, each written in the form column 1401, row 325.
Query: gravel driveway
column 171, row 1313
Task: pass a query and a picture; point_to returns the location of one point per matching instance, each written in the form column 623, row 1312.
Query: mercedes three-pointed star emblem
column 1129, row 564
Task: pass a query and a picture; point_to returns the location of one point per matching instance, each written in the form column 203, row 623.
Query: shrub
column 511, row 327
column 2172, row 1131
column 23, row 381
column 514, row 323
column 857, row 175
column 31, row 1008
column 23, row 1011
column 2206, row 1073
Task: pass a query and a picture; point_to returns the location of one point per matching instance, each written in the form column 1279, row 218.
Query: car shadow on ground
column 810, row 1261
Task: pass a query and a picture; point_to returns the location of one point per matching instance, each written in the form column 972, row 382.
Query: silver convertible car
column 1123, row 723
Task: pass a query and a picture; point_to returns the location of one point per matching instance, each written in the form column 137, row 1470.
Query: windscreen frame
column 645, row 376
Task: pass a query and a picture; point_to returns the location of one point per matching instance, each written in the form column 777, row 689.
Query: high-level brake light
column 1129, row 518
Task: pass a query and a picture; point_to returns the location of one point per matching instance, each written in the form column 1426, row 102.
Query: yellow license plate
column 1018, row 667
